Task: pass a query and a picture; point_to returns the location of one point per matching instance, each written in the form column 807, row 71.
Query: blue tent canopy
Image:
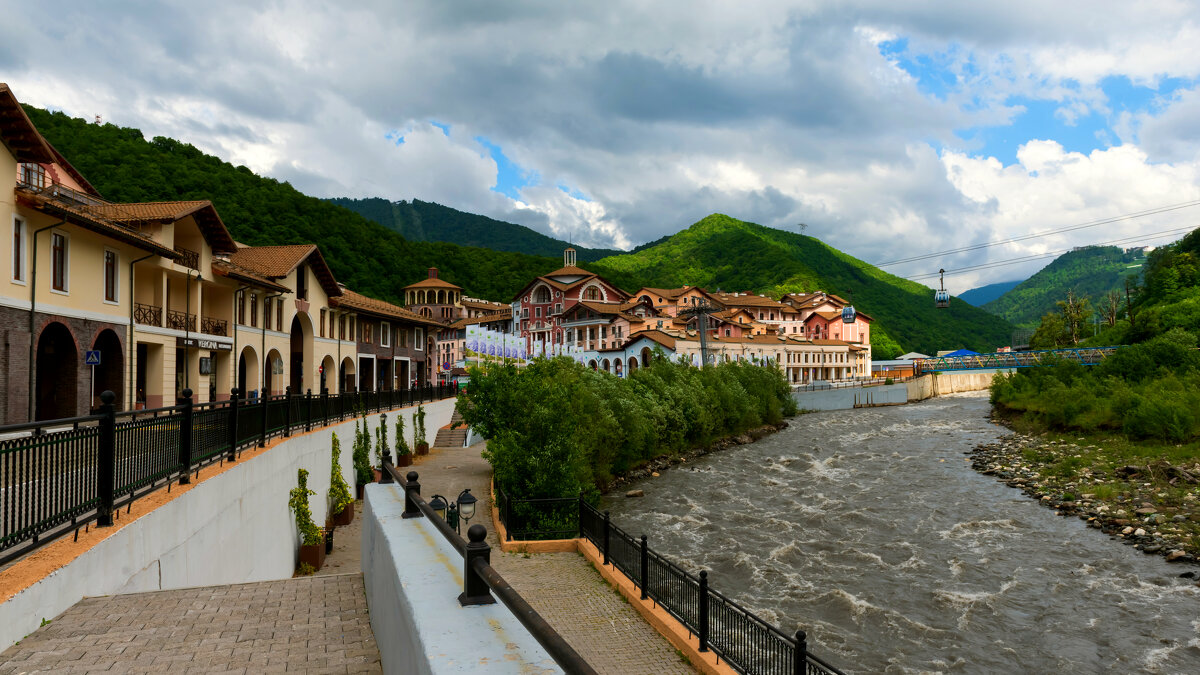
column 962, row 352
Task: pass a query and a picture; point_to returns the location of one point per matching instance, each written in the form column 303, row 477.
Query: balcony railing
column 214, row 326
column 147, row 314
column 190, row 259
column 181, row 321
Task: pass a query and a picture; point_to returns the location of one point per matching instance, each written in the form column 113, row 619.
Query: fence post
column 606, row 524
column 325, row 407
column 385, row 476
column 411, row 487
column 234, row 395
column 579, row 511
column 185, row 439
column 262, row 437
column 287, row 411
column 645, row 565
column 475, row 589
column 106, row 460
column 800, row 658
column 702, row 629
column 308, row 413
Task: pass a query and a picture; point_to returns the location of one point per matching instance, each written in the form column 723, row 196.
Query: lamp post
column 451, row 512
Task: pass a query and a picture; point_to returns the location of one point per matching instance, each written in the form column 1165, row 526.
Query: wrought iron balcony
column 181, row 321
column 190, row 259
column 149, row 315
column 214, row 326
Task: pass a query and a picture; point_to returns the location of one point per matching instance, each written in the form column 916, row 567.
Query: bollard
column 411, row 487
column 475, row 589
column 106, row 460
column 702, row 629
column 185, row 439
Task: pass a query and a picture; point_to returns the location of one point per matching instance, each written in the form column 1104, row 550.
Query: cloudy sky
column 889, row 129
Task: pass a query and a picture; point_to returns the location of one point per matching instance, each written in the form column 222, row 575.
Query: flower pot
column 403, row 460
column 358, row 490
column 422, row 448
column 345, row 517
column 313, row 554
column 378, row 475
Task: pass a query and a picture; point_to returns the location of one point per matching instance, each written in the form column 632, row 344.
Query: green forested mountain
column 1090, row 272
column 364, row 255
column 720, row 252
column 984, row 294
column 428, row 221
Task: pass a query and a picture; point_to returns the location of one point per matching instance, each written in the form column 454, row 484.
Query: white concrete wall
column 926, row 386
column 231, row 528
column 413, row 577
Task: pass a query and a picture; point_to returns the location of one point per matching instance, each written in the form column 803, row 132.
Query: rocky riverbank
column 1152, row 505
column 654, row 466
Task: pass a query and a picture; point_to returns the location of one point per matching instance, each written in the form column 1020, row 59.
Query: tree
column 1111, row 307
column 1075, row 312
column 1051, row 333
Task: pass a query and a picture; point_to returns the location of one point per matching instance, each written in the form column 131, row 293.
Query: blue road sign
column 92, row 358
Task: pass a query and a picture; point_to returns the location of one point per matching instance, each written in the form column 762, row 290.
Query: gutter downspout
column 132, row 336
column 264, row 337
column 32, row 312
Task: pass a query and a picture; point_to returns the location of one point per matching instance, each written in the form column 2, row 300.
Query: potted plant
column 419, row 431
column 403, row 452
column 312, row 539
column 362, row 462
column 341, row 504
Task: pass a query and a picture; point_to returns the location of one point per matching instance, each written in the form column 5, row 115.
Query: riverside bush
column 1147, row 391
column 556, row 428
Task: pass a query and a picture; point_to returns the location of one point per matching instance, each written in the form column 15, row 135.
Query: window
column 18, row 261
column 58, row 262
column 241, row 310
column 33, row 175
column 385, row 335
column 322, row 322
column 541, row 295
column 110, row 276
column 537, row 312
column 592, row 293
column 341, row 327
column 253, row 310
column 367, row 333
column 401, row 337
column 267, row 312
column 418, row 338
column 525, row 313
column 302, row 282
column 278, row 313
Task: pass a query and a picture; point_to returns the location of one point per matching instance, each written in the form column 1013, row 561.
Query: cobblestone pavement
column 591, row 616
column 309, row 624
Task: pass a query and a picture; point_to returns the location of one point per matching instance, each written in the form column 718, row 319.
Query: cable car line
column 1035, row 235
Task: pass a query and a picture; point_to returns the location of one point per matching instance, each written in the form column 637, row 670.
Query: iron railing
column 746, row 642
column 58, row 476
column 149, row 315
column 181, row 320
column 1088, row 356
column 188, row 258
column 214, row 326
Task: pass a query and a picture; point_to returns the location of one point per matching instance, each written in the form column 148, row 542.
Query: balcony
column 190, row 259
column 147, row 314
column 181, row 321
column 214, row 326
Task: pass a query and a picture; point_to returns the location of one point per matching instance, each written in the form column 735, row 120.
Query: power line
column 1035, row 235
column 1036, row 256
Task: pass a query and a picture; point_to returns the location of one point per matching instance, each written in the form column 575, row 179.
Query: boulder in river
column 636, row 493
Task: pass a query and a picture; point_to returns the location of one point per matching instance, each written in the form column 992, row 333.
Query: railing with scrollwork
column 214, row 326
column 190, row 259
column 181, row 321
column 149, row 315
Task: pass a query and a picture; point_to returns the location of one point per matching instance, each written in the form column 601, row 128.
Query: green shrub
column 362, row 457
column 402, row 448
column 310, row 534
column 339, row 492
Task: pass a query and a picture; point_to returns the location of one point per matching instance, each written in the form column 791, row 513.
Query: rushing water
column 870, row 530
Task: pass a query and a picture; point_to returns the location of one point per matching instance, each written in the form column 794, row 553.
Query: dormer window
column 33, row 175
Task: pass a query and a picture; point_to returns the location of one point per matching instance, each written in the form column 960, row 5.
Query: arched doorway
column 301, row 352
column 247, row 371
column 592, row 364
column 327, row 366
column 110, row 374
column 346, row 376
column 646, row 356
column 273, row 374
column 57, row 374
column 633, row 364
column 607, row 366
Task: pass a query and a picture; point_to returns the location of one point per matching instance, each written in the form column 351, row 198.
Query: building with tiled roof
column 539, row 307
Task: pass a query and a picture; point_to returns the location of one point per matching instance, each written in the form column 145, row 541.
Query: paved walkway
column 591, row 616
column 308, row 624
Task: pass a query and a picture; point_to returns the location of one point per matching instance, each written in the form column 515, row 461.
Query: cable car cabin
column 848, row 314
column 941, row 299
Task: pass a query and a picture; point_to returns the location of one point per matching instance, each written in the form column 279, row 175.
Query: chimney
column 432, row 272
column 569, row 257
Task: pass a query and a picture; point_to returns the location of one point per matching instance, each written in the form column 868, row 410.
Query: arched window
column 541, row 295
column 591, row 293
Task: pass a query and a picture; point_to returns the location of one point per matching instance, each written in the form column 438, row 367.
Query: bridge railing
column 1088, row 356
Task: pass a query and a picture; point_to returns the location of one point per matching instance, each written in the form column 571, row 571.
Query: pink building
column 538, row 309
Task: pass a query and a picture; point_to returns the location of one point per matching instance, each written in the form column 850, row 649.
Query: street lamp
column 451, row 511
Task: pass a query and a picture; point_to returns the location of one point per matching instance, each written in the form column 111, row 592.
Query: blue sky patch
column 510, row 177
column 441, row 125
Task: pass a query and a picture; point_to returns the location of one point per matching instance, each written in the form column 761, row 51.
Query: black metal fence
column 57, row 476
column 747, row 643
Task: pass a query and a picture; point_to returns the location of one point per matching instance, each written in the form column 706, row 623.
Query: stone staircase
column 451, row 438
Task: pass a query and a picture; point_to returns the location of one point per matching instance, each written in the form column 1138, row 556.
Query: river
column 869, row 529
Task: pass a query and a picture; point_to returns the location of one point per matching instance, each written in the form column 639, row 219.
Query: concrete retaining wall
column 229, row 528
column 413, row 577
column 926, row 386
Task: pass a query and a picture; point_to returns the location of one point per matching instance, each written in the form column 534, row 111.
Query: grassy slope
column 429, row 221
column 720, row 252
column 1091, row 272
